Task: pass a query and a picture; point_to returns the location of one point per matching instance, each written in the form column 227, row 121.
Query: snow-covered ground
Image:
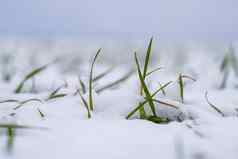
column 66, row 132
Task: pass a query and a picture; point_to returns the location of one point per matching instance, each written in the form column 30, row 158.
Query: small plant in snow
column 229, row 63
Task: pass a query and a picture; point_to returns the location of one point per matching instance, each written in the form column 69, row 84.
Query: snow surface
column 67, row 133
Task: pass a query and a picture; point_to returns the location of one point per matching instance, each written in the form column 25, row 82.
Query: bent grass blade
column 91, row 104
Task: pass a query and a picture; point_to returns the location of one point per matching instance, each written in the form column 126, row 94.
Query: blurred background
column 170, row 20
column 37, row 32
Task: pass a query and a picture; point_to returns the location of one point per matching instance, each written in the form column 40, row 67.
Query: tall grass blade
column 181, row 87
column 91, row 81
column 145, row 89
column 147, row 58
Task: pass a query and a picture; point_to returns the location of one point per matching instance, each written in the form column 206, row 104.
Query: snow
column 65, row 131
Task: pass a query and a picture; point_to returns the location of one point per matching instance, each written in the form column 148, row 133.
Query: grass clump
column 149, row 98
column 145, row 92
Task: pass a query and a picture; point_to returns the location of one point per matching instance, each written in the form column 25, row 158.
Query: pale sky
column 189, row 19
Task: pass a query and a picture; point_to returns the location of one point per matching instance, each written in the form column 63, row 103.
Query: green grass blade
column 213, row 106
column 10, row 101
column 31, row 100
column 11, row 139
column 41, row 113
column 162, row 88
column 146, row 90
column 103, row 74
column 57, row 96
column 55, row 91
column 224, row 63
column 20, row 86
column 142, row 113
column 151, row 72
column 181, row 88
column 29, row 76
column 91, row 81
column 141, row 104
column 27, row 101
column 35, row 72
column 233, row 58
column 189, row 77
column 82, row 85
column 85, row 104
column 147, row 58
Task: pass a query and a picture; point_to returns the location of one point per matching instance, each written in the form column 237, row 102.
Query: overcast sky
column 191, row 19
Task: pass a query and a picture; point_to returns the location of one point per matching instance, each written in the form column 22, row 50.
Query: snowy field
column 47, row 118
